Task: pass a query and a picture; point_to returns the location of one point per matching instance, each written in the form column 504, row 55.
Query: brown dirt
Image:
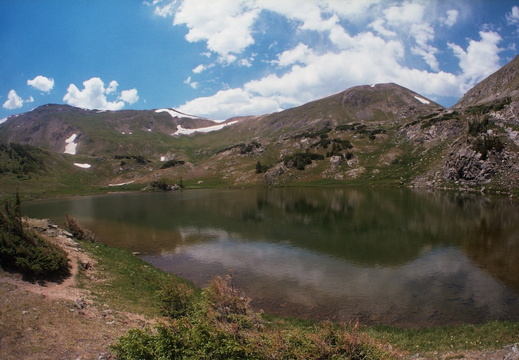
column 58, row 320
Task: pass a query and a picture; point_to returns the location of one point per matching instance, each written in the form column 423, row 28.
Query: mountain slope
column 381, row 134
column 500, row 87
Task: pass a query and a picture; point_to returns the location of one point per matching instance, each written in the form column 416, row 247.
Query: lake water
column 382, row 256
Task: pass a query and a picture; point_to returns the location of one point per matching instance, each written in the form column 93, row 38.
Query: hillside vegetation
column 380, row 134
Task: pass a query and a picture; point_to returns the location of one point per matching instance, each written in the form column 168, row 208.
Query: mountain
column 380, row 134
column 499, row 88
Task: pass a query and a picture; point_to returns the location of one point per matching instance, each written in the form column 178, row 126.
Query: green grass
column 127, row 283
column 492, row 335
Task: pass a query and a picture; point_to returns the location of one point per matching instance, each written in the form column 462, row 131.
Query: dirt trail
column 58, row 320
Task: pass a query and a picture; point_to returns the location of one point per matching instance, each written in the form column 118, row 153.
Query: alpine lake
column 389, row 256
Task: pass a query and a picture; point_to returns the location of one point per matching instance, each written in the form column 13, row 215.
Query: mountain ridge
column 379, row 134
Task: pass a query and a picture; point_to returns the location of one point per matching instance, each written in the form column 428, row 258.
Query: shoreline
column 79, row 298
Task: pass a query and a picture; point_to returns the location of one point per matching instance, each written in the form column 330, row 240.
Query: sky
column 224, row 58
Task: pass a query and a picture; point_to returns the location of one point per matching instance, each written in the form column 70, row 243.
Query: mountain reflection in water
column 390, row 256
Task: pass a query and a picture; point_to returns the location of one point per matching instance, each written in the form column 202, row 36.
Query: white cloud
column 406, row 13
column 41, row 83
column 452, row 17
column 13, row 101
column 300, row 54
column 112, row 87
column 224, row 24
column 350, row 43
column 513, row 16
column 227, row 103
column 480, row 59
column 130, row 96
column 93, row 96
column 191, row 83
column 379, row 26
column 200, row 68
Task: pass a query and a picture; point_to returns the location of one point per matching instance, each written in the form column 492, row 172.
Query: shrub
column 172, row 163
column 176, row 299
column 78, row 231
column 26, row 252
column 486, row 144
column 478, row 127
column 222, row 325
column 300, row 160
column 261, row 168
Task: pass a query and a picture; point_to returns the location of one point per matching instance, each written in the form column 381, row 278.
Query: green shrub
column 172, row 163
column 25, row 251
column 222, row 325
column 261, row 168
column 488, row 143
column 478, row 127
column 300, row 160
column 176, row 299
column 78, row 231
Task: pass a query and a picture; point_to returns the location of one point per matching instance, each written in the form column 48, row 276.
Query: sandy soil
column 58, row 320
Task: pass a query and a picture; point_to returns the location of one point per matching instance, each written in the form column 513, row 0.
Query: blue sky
column 224, row 58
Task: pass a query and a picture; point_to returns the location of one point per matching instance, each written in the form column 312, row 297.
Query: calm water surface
column 383, row 256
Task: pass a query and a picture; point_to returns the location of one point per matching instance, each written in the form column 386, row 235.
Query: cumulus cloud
column 225, row 25
column 349, row 43
column 13, row 101
column 130, row 96
column 93, row 96
column 112, row 87
column 480, row 59
column 300, row 54
column 513, row 16
column 452, row 17
column 41, row 83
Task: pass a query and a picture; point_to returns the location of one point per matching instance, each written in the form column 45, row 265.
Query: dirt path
column 57, row 320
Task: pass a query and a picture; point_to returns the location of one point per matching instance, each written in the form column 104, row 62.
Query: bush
column 222, row 325
column 176, row 299
column 300, row 160
column 261, row 168
column 488, row 143
column 25, row 251
column 172, row 163
column 478, row 127
column 78, row 231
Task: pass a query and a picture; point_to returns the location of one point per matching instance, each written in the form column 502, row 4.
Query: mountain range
column 379, row 134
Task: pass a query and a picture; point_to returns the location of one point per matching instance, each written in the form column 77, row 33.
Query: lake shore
column 84, row 314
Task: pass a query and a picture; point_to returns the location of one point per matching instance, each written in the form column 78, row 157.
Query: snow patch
column 422, row 100
column 182, row 131
column 71, row 146
column 3, row 120
column 84, row 166
column 176, row 114
column 121, row 184
column 372, row 85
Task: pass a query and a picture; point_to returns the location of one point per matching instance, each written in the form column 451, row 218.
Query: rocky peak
column 499, row 86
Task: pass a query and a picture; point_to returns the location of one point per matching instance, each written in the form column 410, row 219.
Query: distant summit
column 499, row 86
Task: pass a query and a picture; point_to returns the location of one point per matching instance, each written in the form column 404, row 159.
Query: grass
column 491, row 335
column 128, row 283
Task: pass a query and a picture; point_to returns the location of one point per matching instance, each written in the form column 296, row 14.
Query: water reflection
column 390, row 256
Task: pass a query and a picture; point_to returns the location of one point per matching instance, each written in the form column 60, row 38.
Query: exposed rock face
column 465, row 164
